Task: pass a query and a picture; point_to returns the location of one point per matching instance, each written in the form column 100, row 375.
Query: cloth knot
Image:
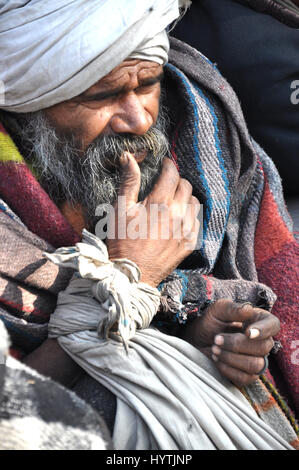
column 127, row 303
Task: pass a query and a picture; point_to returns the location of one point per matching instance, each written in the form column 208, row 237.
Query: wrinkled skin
column 156, row 258
column 236, row 337
column 127, row 101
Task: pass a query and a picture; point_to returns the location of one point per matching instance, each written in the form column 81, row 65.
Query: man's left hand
column 236, row 336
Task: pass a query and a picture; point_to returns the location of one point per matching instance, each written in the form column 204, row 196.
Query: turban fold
column 53, row 51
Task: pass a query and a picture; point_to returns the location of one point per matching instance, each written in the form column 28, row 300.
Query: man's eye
column 94, row 102
column 100, row 99
column 145, row 88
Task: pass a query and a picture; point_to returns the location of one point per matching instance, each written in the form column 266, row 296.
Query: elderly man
column 90, row 113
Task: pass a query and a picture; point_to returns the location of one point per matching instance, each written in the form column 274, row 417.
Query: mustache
column 111, row 147
column 91, row 176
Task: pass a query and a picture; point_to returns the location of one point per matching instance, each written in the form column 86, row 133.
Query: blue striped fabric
column 6, row 210
column 209, row 164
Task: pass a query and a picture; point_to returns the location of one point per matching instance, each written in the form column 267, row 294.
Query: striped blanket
column 248, row 251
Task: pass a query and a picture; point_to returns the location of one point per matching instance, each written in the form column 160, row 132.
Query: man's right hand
column 156, row 250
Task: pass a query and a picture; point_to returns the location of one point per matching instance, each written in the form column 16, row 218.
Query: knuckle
column 223, row 303
column 164, row 209
column 266, row 346
column 236, row 341
column 257, row 365
column 172, row 168
column 186, row 184
column 270, row 317
column 168, row 163
column 276, row 324
column 195, row 201
column 169, row 172
column 260, row 313
column 175, row 176
column 271, row 343
column 243, row 379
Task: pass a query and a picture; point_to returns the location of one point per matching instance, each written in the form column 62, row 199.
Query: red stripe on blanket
column 295, row 444
column 281, row 273
column 28, row 310
column 271, row 232
column 2, row 130
column 266, row 406
column 209, row 286
column 22, row 192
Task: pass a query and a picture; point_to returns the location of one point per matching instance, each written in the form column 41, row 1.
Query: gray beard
column 93, row 177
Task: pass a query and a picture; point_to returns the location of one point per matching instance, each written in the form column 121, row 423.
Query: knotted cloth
column 157, row 374
column 53, row 51
column 128, row 303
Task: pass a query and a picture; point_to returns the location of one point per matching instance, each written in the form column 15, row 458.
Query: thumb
column 130, row 179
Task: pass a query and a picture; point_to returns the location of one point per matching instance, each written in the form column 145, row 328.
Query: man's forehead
column 127, row 71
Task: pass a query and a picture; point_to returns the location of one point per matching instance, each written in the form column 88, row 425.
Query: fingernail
column 216, row 350
column 254, row 333
column 124, row 159
column 215, row 358
column 219, row 340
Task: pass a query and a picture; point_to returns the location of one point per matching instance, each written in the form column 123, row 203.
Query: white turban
column 51, row 51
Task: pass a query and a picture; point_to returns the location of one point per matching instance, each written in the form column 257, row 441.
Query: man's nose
column 131, row 116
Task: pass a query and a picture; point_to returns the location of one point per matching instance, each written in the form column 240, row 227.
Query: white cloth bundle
column 127, row 303
column 53, row 51
column 169, row 395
